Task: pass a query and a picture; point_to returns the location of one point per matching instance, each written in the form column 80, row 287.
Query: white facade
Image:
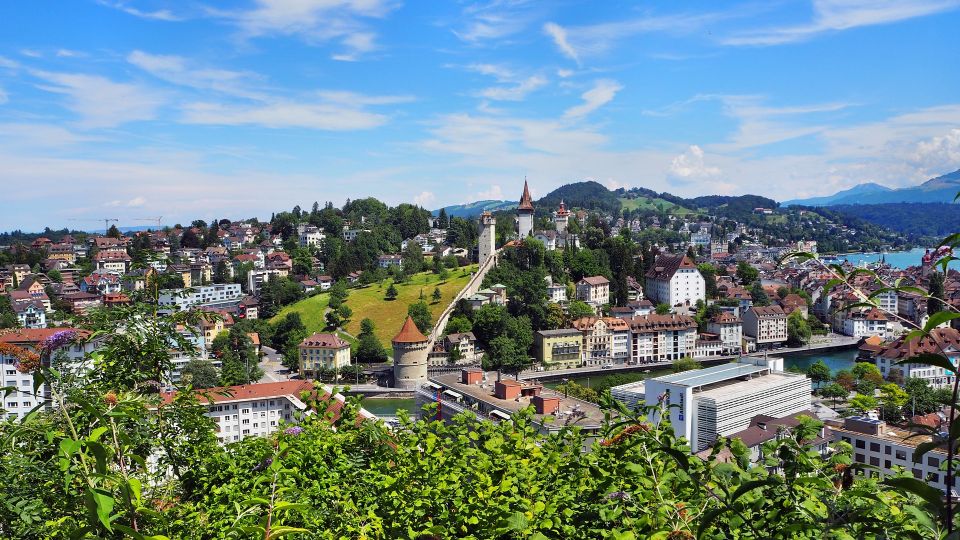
column 557, row 293
column 310, row 236
column 675, row 280
column 205, row 295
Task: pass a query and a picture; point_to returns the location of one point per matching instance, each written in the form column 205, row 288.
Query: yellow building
column 559, row 349
column 323, row 351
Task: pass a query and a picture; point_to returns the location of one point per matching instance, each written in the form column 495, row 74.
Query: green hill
column 387, row 316
column 653, row 203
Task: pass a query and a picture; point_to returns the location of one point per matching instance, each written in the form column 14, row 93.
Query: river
column 896, row 259
column 835, row 360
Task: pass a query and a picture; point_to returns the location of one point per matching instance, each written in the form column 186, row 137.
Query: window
column 874, row 447
column 859, row 458
column 933, row 462
column 886, row 464
column 246, row 421
column 916, row 473
column 245, row 411
column 901, row 454
column 861, row 443
column 886, row 449
column 875, row 461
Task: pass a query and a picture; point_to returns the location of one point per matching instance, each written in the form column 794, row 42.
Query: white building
column 863, row 323
column 729, row 328
column 879, row 445
column 557, row 293
column 674, row 280
column 323, row 352
column 310, row 235
column 221, row 295
column 594, row 290
column 767, row 325
column 721, row 400
column 30, row 313
column 256, row 278
column 350, row 235
column 661, row 338
column 20, row 401
column 901, row 349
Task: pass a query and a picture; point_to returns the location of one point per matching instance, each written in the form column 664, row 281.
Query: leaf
column 297, row 507
column 97, row 433
column 517, row 522
column 751, row 485
column 136, row 488
column 939, row 318
column 707, row 520
column 101, row 454
column 103, row 503
column 930, row 359
column 932, row 495
column 280, row 530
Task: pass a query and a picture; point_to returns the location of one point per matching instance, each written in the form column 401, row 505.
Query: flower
column 293, row 431
column 57, row 340
column 25, row 359
column 110, row 398
column 263, row 464
column 680, row 535
column 618, row 495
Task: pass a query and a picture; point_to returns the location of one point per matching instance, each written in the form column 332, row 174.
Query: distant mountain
column 859, row 189
column 474, row 209
column 918, row 221
column 588, row 194
column 941, row 189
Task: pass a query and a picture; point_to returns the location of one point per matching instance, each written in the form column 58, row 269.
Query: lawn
column 647, row 203
column 387, row 316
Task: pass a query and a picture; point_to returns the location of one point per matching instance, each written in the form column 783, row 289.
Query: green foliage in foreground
column 78, row 475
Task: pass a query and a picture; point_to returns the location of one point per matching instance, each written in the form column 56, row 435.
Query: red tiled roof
column 35, row 335
column 245, row 392
column 666, row 266
column 525, row 202
column 409, row 333
column 324, row 340
column 596, row 280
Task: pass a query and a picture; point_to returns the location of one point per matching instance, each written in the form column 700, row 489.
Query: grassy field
column 387, row 316
column 646, row 203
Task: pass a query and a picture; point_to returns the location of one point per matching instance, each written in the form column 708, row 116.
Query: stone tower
column 488, row 237
column 562, row 218
column 409, row 357
column 525, row 213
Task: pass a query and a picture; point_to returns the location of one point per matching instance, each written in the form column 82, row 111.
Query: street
column 271, row 364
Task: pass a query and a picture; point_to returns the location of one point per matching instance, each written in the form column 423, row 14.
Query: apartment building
column 767, row 325
column 946, row 338
column 729, row 328
column 605, row 340
column 559, row 349
column 213, row 296
column 674, row 280
column 661, row 338
column 594, row 290
column 323, row 352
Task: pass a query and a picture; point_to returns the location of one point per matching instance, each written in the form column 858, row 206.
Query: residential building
column 886, row 448
column 349, row 235
column 310, row 236
column 559, row 349
column 386, row 261
column 674, row 280
column 606, row 340
column 729, row 328
column 222, row 295
column 101, row 283
column 557, row 293
column 594, row 290
column 80, row 302
column 553, row 240
column 323, row 352
column 30, row 313
column 767, row 325
column 704, row 404
column 22, row 398
column 863, row 323
column 465, row 344
column 941, row 341
column 662, row 338
column 256, row 278
column 764, row 428
column 117, row 262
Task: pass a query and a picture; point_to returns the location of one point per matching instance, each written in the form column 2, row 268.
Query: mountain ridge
column 941, row 189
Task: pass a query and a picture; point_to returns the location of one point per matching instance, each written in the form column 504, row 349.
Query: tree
column 503, row 354
column 200, row 373
column 578, row 309
column 935, row 302
column 114, row 232
column 442, row 220
column 333, row 320
column 921, row 397
column 239, row 363
column 892, row 400
column 287, row 336
column 221, row 274
column 818, row 372
column 458, row 324
column 436, row 296
column 663, row 308
column 685, row 364
column 391, row 293
column 709, row 273
column 369, row 348
column 420, row 312
column 575, row 390
column 798, row 331
column 344, row 312
column 834, row 391
column 746, row 273
column 845, row 379
column 55, row 276
column 758, row 295
column 863, row 403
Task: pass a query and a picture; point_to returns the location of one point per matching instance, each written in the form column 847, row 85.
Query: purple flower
column 263, row 465
column 294, row 431
column 58, row 340
column 618, row 495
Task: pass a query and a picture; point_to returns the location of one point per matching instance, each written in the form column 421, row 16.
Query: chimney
column 762, row 425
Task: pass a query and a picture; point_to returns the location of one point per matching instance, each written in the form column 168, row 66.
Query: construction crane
column 157, row 219
column 106, row 222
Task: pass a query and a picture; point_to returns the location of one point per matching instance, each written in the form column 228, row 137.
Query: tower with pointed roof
column 410, row 348
column 561, row 218
column 488, row 236
column 525, row 213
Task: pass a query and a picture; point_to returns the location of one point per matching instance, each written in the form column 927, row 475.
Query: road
column 270, row 363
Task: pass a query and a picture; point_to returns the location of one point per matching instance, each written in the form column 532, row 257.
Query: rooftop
column 713, row 375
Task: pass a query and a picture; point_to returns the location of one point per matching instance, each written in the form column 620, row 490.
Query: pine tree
column 391, row 293
column 436, row 294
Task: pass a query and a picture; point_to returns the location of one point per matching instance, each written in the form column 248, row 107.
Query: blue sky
column 135, row 109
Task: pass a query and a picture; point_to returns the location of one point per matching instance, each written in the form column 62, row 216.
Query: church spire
column 525, row 202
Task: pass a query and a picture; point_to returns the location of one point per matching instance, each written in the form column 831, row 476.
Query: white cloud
column 67, row 53
column 314, row 21
column 559, row 35
column 564, row 73
column 32, row 53
column 494, row 193
column 603, row 91
column 156, row 15
column 425, row 199
column 938, row 154
column 838, row 15
column 499, row 72
column 690, row 166
column 137, row 201
column 517, row 92
column 8, row 63
column 284, row 114
column 494, row 20
column 180, row 71
column 39, row 136
column 101, row 102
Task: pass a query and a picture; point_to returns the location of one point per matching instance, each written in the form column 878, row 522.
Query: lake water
column 389, row 406
column 835, row 360
column 896, row 259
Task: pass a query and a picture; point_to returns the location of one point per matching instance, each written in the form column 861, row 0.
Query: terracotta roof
column 331, row 341
column 613, row 323
column 525, row 202
column 666, row 266
column 595, row 280
column 35, row 335
column 902, row 349
column 768, row 311
column 563, row 210
column 246, row 392
column 725, row 317
column 654, row 322
column 409, row 333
